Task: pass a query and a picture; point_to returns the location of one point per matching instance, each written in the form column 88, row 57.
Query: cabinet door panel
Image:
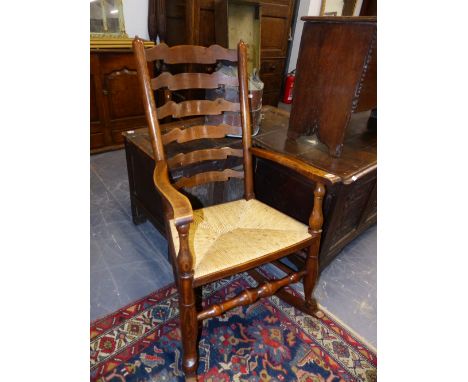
column 274, row 32
column 272, row 67
column 116, row 103
column 123, row 94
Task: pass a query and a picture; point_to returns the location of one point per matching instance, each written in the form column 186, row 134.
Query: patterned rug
column 267, row 341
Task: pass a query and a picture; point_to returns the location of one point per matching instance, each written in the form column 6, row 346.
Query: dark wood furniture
column 116, row 104
column 169, row 19
column 336, row 76
column 350, row 205
column 193, row 232
column 146, row 203
column 368, row 8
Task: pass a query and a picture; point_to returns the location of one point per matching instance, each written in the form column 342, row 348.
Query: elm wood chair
column 222, row 240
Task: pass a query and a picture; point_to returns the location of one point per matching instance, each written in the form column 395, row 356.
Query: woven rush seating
column 232, row 234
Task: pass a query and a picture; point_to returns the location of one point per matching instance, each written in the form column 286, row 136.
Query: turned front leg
column 312, row 263
column 188, row 313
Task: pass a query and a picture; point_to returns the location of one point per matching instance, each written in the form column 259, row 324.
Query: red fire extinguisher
column 288, row 87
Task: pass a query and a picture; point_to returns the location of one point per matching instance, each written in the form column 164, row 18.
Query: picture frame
column 337, row 7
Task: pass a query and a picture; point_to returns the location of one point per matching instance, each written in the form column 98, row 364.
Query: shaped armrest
column 297, row 165
column 181, row 207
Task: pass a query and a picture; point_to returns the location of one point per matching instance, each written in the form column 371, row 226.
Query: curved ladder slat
column 184, row 81
column 208, row 177
column 196, row 107
column 184, row 54
column 203, row 155
column 199, row 132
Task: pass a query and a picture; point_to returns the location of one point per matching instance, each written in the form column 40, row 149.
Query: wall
column 136, row 18
column 306, row 8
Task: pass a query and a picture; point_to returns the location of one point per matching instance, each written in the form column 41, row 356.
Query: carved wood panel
column 273, row 31
column 122, row 95
column 354, row 206
column 116, row 104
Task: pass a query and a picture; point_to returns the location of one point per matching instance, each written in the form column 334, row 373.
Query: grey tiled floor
column 129, row 262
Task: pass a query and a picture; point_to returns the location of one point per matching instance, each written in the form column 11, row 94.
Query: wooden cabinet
column 116, row 104
column 196, row 22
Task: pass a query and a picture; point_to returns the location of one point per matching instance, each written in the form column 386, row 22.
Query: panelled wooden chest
column 349, row 206
column 146, row 202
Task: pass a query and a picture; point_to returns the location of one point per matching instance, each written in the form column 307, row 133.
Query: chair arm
column 297, row 165
column 181, row 207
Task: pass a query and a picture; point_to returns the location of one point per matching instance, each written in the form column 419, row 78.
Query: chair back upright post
column 245, row 117
column 148, row 100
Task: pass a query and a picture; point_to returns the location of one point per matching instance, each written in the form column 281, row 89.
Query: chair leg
column 189, row 328
column 188, row 310
column 310, row 279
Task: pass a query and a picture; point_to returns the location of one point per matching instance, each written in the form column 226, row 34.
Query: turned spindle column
column 312, row 264
column 188, row 313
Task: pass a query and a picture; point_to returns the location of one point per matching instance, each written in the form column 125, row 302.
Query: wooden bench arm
column 181, row 207
column 297, row 165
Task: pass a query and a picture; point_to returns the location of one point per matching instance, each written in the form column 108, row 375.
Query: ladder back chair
column 215, row 242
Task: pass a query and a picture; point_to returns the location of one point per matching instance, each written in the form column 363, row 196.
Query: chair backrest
column 190, row 54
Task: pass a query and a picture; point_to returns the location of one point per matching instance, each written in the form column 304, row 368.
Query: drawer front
column 271, row 74
column 272, row 67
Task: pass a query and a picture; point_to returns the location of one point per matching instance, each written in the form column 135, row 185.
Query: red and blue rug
column 267, row 341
